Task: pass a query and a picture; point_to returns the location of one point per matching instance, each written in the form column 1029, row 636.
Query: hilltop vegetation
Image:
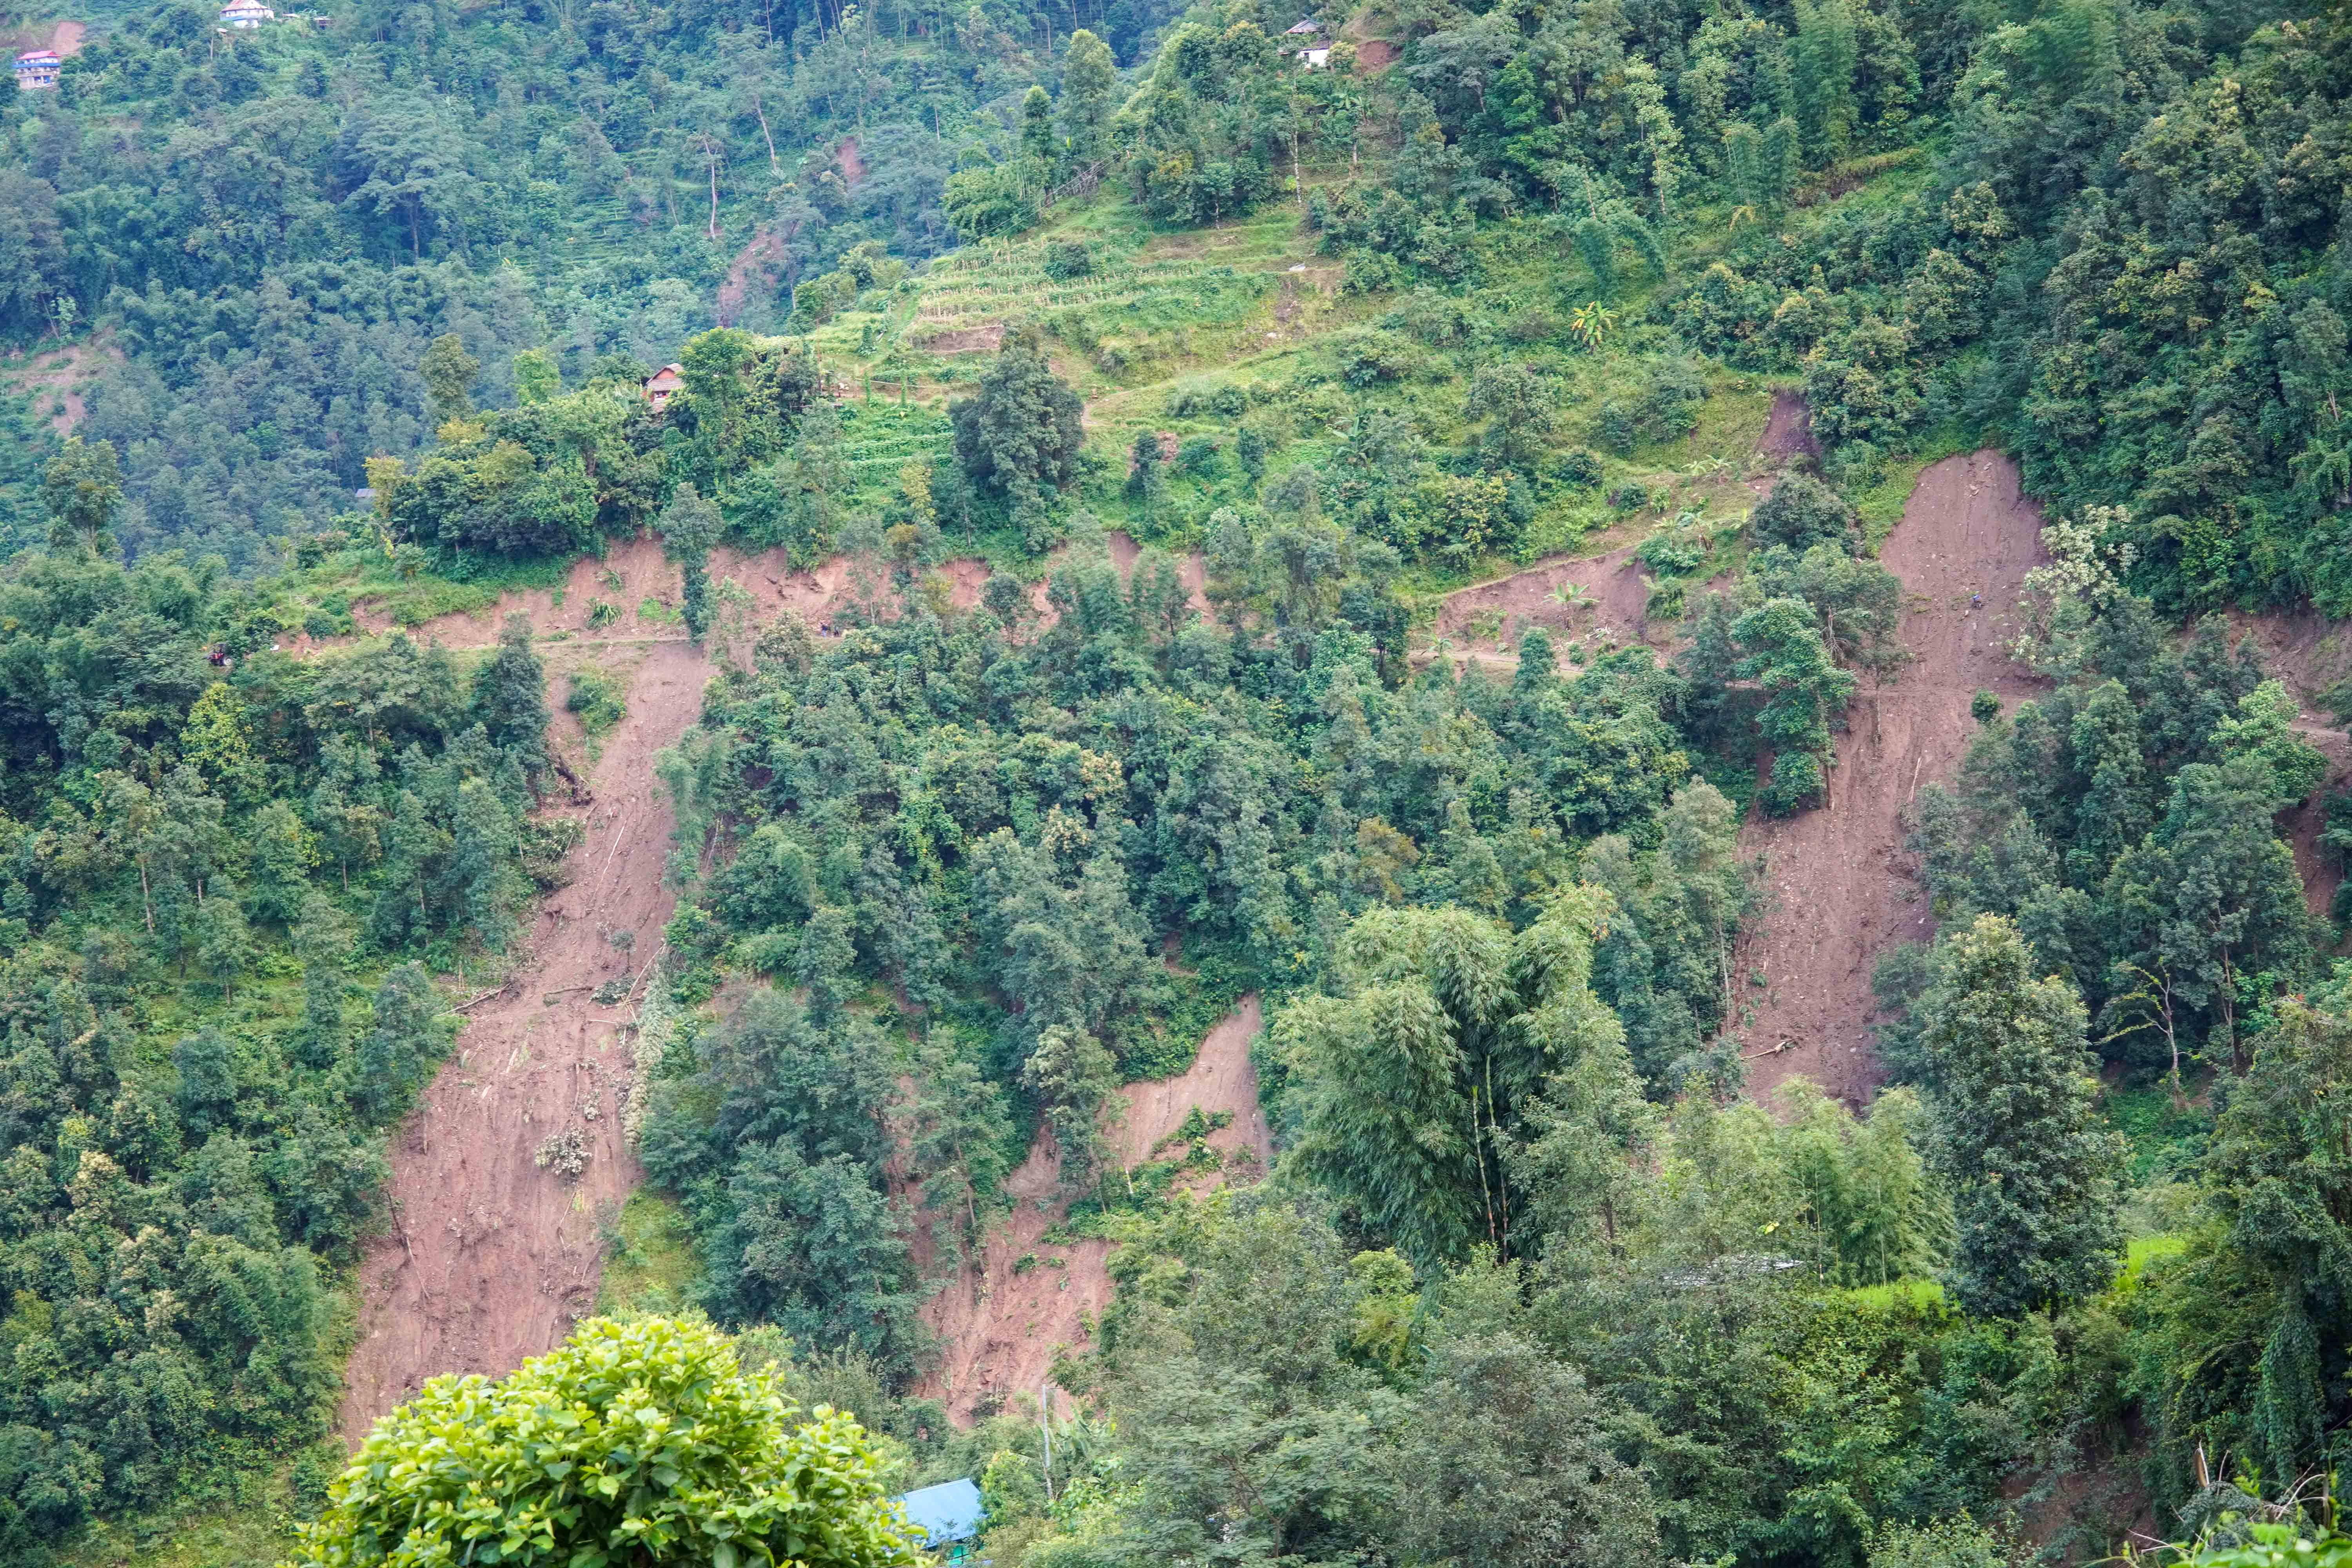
column 1530, row 1280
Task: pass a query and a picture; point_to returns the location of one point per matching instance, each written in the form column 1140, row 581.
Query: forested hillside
column 1121, row 393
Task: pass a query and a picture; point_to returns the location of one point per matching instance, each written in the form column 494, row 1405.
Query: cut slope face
column 1001, row 1324
column 1840, row 890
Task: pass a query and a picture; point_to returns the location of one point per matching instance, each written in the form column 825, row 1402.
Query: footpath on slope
column 1837, row 878
column 1002, row 1322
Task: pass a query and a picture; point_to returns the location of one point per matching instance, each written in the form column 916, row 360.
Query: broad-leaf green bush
column 637, row 1443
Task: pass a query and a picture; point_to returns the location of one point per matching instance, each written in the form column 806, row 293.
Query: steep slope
column 1839, row 890
column 490, row 1257
column 1023, row 1301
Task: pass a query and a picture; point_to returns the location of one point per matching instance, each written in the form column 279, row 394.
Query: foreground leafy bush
column 636, row 1443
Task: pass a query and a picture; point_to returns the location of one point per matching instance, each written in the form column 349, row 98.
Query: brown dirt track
column 1839, row 883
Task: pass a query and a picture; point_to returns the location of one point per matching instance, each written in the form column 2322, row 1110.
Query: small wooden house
column 663, row 384
column 1304, row 27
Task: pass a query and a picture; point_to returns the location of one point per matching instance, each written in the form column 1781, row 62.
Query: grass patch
column 595, row 698
column 2143, row 1250
column 2166, row 1139
column 650, row 1261
column 1881, row 505
column 1900, row 1295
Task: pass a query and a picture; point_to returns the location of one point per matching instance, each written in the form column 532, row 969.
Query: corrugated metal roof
column 948, row 1512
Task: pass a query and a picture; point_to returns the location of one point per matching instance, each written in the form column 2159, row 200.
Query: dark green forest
column 1534, row 1279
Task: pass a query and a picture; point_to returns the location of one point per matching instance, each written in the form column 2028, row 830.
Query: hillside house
column 1314, row 60
column 948, row 1515
column 37, row 68
column 245, row 13
column 663, row 384
column 1304, row 27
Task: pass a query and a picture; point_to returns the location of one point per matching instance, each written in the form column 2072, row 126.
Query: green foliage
column 179, row 1101
column 2234, row 1333
column 1804, row 692
column 595, row 698
column 689, row 527
column 665, row 1453
column 1413, row 1085
column 2032, row 1173
column 1020, row 436
column 1506, row 1458
column 1802, row 512
column 2125, row 823
column 770, row 1131
column 82, row 490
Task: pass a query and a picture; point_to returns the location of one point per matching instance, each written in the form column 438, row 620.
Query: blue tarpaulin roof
column 948, row 1512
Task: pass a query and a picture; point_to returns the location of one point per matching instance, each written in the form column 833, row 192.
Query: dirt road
column 1001, row 1323
column 1841, row 890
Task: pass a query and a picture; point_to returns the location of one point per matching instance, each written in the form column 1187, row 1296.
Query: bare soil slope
column 1838, row 879
column 1505, row 608
column 491, row 1258
column 2312, row 654
column 1001, row 1324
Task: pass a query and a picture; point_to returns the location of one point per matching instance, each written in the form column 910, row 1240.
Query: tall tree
column 1506, row 1457
column 1089, row 79
column 2245, row 1335
column 1417, row 1080
column 2033, row 1171
column 449, row 372
column 82, row 490
column 689, row 527
column 1019, row 435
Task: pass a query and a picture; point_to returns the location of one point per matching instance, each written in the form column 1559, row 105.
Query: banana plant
column 1592, row 322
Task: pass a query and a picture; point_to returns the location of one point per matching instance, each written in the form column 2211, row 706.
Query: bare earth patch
column 1789, row 433
column 65, row 372
column 1839, row 883
column 1619, row 602
column 1000, row 1325
column 491, row 1259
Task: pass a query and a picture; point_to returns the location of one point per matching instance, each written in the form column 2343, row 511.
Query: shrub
column 595, row 697
column 1802, row 512
column 662, row 1451
column 1581, row 469
column 1797, row 780
column 1673, row 554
